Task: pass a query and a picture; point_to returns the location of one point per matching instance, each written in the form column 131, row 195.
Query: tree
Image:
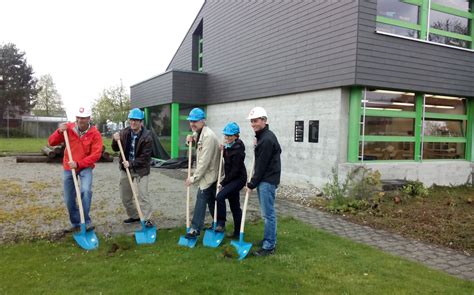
column 17, row 85
column 49, row 102
column 113, row 105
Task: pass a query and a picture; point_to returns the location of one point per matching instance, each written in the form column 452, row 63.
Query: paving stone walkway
column 443, row 259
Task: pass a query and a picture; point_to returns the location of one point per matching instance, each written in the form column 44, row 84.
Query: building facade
column 385, row 84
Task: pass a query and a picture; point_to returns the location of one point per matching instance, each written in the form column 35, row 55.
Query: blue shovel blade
column 243, row 248
column 212, row 238
column 147, row 235
column 86, row 239
column 183, row 241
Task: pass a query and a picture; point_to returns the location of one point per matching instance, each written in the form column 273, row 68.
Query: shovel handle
column 74, row 178
column 217, row 185
column 132, row 184
column 190, row 162
column 247, row 193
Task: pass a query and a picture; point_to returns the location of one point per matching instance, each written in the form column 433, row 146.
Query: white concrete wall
column 303, row 163
column 438, row 172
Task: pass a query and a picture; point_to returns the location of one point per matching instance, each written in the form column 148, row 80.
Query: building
column 386, row 84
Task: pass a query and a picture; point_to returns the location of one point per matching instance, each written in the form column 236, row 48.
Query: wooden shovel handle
column 190, row 161
column 217, row 185
column 74, row 178
column 132, row 184
column 247, row 193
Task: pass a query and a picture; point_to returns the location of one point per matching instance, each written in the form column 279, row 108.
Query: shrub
column 415, row 189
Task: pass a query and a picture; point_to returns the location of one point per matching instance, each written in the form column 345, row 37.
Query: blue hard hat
column 136, row 114
column 196, row 114
column 231, row 129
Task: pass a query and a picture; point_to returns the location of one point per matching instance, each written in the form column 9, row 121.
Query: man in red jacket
column 86, row 149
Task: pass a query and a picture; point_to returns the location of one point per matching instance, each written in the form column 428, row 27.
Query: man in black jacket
column 266, row 177
column 234, row 180
column 137, row 144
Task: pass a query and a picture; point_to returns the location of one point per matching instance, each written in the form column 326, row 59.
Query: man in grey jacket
column 207, row 166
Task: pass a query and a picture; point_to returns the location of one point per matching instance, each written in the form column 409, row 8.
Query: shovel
column 212, row 238
column 243, row 248
column 147, row 235
column 183, row 241
column 85, row 239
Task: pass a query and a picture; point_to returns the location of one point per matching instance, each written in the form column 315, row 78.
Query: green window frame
column 357, row 115
column 423, row 27
column 200, row 54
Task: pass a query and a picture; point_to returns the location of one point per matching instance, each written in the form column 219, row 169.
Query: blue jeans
column 205, row 196
column 85, row 175
column 266, row 197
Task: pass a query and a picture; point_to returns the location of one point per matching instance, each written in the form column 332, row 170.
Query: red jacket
column 85, row 150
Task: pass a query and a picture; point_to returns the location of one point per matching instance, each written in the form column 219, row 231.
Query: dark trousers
column 230, row 191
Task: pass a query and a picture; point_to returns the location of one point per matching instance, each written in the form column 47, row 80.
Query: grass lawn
column 307, row 262
column 34, row 145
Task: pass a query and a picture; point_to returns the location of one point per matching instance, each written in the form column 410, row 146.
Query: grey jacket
column 207, row 159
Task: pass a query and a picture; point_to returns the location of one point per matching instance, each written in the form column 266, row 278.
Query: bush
column 360, row 191
column 415, row 189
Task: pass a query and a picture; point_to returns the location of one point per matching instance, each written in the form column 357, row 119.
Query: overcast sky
column 90, row 45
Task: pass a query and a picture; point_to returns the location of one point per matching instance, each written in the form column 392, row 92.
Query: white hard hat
column 257, row 112
column 83, row 112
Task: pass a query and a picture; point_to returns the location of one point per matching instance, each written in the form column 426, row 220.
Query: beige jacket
column 207, row 159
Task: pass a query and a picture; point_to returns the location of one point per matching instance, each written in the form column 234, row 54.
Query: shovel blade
column 147, row 235
column 86, row 239
column 185, row 242
column 212, row 238
column 243, row 248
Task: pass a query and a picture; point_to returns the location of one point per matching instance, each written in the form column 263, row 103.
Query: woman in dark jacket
column 234, row 180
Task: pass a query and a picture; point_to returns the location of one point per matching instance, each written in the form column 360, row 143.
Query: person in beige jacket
column 207, row 166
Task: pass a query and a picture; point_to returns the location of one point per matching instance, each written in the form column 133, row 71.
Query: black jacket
column 267, row 159
column 234, row 166
column 143, row 150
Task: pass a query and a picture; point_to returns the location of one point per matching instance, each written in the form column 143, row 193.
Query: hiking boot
column 131, row 220
column 90, row 227
column 72, row 229
column 192, row 234
column 149, row 223
column 220, row 229
column 264, row 252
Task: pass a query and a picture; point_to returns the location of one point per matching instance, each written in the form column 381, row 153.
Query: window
column 439, row 21
column 399, row 125
column 198, row 49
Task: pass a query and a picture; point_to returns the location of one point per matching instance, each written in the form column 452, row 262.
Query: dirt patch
column 32, row 206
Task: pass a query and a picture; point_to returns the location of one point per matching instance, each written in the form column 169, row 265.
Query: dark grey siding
column 386, row 61
column 154, row 91
column 189, row 88
column 172, row 86
column 266, row 48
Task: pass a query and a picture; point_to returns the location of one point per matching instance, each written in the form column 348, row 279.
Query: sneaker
column 192, row 234
column 149, row 223
column 264, row 252
column 72, row 229
column 131, row 220
column 220, row 229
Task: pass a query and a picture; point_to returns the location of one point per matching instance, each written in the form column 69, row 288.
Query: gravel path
column 31, row 200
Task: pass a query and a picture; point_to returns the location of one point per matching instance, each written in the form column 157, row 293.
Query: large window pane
column 387, row 151
column 448, row 40
column 443, row 150
column 398, row 10
column 458, row 4
column 389, row 100
column 449, row 128
column 397, row 30
column 388, row 126
column 445, row 105
column 448, row 23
